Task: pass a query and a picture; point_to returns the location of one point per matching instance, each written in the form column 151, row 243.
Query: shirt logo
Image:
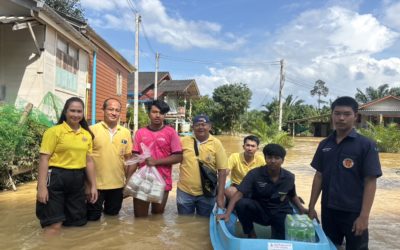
column 84, row 138
column 348, row 163
column 326, row 149
column 261, row 184
column 123, row 141
column 282, row 195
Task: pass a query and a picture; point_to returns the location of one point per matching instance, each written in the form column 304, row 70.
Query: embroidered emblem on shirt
column 348, row 163
column 282, row 195
column 123, row 141
column 84, row 138
column 261, row 184
column 326, row 149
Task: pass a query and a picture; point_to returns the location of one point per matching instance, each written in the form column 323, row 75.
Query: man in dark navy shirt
column 347, row 166
column 263, row 195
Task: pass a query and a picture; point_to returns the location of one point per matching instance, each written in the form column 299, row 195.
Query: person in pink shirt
column 166, row 149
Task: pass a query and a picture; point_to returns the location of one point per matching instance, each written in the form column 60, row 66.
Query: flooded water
column 19, row 228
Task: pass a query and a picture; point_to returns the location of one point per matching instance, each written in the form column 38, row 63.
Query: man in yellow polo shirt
column 241, row 163
column 190, row 198
column 111, row 146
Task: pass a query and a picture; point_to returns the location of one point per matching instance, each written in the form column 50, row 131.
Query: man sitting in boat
column 241, row 163
column 264, row 194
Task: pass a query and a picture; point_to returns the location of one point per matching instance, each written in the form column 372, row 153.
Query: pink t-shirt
column 162, row 143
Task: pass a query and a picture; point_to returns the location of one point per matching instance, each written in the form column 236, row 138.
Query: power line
column 132, row 7
column 147, row 39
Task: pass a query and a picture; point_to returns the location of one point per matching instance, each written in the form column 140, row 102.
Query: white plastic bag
column 146, row 184
column 142, row 157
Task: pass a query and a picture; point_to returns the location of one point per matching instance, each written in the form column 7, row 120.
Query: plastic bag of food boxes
column 146, row 184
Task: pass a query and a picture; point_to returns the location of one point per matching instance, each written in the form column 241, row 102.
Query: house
column 380, row 111
column 177, row 93
column 112, row 71
column 146, row 85
column 43, row 59
column 46, row 58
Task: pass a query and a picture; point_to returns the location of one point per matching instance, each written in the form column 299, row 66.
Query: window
column 119, row 84
column 67, row 65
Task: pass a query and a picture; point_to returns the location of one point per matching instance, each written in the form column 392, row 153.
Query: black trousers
column 109, row 202
column 338, row 225
column 250, row 211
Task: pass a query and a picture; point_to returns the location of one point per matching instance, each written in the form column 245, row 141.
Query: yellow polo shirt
column 108, row 155
column 211, row 152
column 239, row 167
column 68, row 149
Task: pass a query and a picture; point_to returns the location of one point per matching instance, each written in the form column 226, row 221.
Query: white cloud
column 392, row 15
column 335, row 45
column 159, row 25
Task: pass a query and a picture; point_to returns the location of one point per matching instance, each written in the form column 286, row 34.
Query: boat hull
column 221, row 235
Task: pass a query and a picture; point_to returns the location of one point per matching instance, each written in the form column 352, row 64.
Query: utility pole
column 156, row 76
column 281, row 83
column 136, row 84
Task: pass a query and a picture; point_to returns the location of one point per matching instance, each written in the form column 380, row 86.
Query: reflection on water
column 19, row 228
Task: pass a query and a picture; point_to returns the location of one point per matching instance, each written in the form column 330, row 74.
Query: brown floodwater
column 19, row 228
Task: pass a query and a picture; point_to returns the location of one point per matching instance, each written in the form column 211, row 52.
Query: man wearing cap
column 190, row 198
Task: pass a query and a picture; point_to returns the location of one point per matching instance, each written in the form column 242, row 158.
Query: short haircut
column 274, row 150
column 251, row 138
column 161, row 105
column 105, row 103
column 346, row 101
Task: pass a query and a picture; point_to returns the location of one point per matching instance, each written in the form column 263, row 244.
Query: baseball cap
column 201, row 118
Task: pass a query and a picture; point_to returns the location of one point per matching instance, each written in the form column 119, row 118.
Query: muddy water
column 19, row 228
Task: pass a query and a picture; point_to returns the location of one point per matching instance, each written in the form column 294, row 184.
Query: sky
column 347, row 44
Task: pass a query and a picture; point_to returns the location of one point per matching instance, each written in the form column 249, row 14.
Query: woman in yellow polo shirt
column 64, row 166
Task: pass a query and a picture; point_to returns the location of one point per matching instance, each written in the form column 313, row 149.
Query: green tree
column 203, row 105
column 234, row 99
column 70, row 8
column 372, row 93
column 320, row 90
column 143, row 118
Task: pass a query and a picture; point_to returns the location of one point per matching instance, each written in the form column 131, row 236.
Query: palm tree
column 371, row 93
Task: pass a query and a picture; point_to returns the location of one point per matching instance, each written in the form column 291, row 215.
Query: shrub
column 20, row 143
column 387, row 138
column 270, row 134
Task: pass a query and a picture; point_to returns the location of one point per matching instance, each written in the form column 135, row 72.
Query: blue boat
column 224, row 237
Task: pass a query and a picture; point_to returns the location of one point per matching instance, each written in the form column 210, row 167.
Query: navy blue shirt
column 272, row 196
column 344, row 167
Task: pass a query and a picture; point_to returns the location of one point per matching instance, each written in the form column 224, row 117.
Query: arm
column 130, row 170
column 171, row 159
column 221, row 187
column 42, row 192
column 91, row 176
column 232, row 203
column 315, row 191
column 361, row 223
column 296, row 201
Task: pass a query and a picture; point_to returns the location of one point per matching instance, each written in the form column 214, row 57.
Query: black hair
column 251, row 138
column 346, row 101
column 108, row 99
column 161, row 105
column 274, row 150
column 63, row 117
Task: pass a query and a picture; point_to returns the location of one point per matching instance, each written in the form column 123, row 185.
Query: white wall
column 19, row 64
